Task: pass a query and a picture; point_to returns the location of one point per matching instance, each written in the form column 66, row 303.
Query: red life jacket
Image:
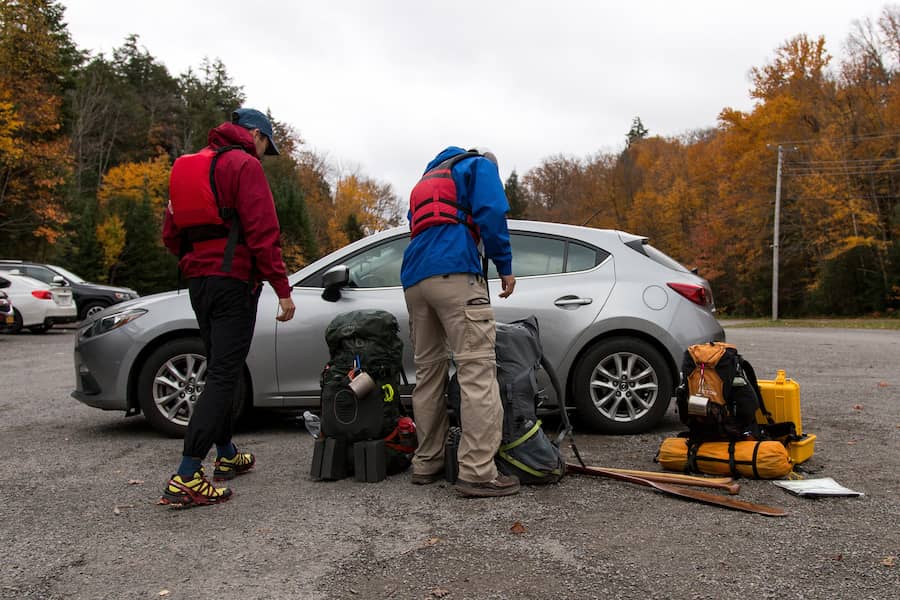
column 194, row 202
column 433, row 201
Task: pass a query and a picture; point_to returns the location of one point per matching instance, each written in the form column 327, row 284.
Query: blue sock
column 189, row 466
column 226, row 451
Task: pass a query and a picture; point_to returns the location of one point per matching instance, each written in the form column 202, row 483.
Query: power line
column 854, row 138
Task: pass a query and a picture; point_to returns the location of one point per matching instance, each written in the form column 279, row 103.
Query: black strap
column 731, row 460
column 228, row 214
column 750, row 376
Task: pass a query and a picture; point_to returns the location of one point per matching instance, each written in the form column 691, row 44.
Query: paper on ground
column 812, row 488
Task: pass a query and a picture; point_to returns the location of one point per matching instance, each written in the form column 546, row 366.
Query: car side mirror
column 333, row 280
column 59, row 280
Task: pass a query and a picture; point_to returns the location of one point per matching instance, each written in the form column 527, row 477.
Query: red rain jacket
column 242, row 185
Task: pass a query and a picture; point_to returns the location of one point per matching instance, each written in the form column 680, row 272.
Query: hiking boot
column 229, row 468
column 501, row 485
column 426, row 478
column 181, row 492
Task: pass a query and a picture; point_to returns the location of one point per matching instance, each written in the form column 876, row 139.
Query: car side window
column 545, row 255
column 378, row 266
column 580, row 258
column 45, row 275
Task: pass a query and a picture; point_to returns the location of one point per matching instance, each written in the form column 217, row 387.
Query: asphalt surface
column 78, row 517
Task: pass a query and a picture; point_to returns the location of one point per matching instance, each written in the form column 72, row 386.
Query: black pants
column 226, row 312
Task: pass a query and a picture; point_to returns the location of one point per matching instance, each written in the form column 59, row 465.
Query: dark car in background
column 90, row 298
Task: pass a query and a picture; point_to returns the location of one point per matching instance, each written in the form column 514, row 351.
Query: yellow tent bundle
column 753, row 459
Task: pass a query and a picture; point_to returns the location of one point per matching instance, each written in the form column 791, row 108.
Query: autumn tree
column 36, row 57
column 131, row 201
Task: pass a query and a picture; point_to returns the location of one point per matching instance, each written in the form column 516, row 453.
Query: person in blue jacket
column 457, row 221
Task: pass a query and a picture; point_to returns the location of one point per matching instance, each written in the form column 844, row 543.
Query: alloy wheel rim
column 624, row 387
column 93, row 311
column 176, row 386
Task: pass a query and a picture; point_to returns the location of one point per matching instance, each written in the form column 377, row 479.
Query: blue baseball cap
column 250, row 118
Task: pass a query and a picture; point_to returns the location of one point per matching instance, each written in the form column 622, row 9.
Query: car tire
column 16, row 327
column 622, row 385
column 91, row 308
column 166, row 407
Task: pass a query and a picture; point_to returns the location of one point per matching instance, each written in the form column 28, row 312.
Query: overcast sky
column 383, row 86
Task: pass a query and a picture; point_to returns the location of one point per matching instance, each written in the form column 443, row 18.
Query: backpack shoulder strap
column 750, row 375
column 226, row 213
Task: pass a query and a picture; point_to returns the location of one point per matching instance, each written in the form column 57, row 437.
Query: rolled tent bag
column 754, row 459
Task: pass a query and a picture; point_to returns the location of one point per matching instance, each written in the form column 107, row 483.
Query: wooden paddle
column 729, row 486
column 689, row 494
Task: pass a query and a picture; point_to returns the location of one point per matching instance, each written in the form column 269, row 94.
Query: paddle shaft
column 669, row 476
column 732, row 488
column 697, row 495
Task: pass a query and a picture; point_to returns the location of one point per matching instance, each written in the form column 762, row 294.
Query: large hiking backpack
column 362, row 342
column 525, row 450
column 719, row 396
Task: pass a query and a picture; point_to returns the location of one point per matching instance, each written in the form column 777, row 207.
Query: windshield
column 67, row 274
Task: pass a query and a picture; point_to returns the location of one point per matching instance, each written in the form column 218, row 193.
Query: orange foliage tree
column 35, row 52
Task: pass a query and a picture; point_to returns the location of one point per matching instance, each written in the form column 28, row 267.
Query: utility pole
column 775, row 236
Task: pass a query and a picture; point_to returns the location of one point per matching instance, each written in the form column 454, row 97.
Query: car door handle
column 572, row 301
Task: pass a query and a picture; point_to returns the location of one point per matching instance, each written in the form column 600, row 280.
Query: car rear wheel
column 622, row 385
column 91, row 308
column 171, row 380
column 16, row 326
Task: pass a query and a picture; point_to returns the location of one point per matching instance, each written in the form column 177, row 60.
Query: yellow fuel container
column 782, row 399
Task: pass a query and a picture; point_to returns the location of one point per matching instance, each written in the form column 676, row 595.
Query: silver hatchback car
column 615, row 316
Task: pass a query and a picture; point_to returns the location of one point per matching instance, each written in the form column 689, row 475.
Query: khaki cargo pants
column 451, row 315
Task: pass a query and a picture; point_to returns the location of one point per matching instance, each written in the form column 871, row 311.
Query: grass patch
column 813, row 323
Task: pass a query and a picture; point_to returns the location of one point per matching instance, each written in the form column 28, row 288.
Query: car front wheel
column 170, row 382
column 91, row 308
column 622, row 385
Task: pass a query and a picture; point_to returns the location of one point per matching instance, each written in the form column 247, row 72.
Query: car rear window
column 656, row 255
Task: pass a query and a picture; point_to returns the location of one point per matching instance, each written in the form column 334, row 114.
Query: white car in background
column 36, row 305
column 6, row 312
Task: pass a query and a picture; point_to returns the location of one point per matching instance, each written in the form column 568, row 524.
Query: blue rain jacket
column 446, row 249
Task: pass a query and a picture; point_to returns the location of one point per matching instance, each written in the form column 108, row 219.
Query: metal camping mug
column 362, row 384
column 698, row 406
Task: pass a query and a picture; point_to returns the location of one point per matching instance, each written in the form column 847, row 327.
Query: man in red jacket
column 221, row 223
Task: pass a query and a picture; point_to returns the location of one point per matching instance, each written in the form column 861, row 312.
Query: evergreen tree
column 515, row 195
column 637, row 131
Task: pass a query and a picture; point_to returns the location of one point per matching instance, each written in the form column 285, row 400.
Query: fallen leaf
column 518, row 528
column 164, row 592
column 851, row 443
column 432, row 541
column 135, row 481
column 439, row 592
column 116, row 511
column 857, row 407
column 883, row 384
column 838, row 557
column 889, row 561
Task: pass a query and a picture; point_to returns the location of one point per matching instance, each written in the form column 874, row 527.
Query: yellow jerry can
column 782, row 399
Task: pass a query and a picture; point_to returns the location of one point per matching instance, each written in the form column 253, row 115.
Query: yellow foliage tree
column 134, row 181
column 111, row 236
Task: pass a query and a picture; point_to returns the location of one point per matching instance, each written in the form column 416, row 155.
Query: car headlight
column 113, row 321
column 122, row 295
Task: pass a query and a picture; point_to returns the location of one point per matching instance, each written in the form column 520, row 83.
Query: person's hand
column 286, row 312
column 508, row 283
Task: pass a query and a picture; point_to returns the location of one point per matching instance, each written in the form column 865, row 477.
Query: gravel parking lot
column 78, row 517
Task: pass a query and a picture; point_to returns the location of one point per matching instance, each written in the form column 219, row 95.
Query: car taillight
column 695, row 293
column 42, row 294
